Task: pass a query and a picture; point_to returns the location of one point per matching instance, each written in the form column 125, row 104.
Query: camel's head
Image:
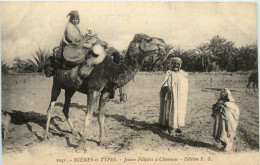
column 143, row 44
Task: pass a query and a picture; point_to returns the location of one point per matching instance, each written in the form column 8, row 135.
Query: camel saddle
column 69, row 57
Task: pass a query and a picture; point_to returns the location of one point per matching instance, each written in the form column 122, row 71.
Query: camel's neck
column 131, row 62
column 128, row 68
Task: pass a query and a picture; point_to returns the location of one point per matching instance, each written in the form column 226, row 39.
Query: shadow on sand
column 72, row 105
column 216, row 89
column 20, row 118
column 155, row 128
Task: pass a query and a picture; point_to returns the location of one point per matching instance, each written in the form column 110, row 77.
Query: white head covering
column 178, row 60
column 90, row 28
column 226, row 95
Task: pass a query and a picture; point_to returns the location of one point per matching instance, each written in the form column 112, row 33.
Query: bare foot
column 170, row 130
column 228, row 147
column 178, row 130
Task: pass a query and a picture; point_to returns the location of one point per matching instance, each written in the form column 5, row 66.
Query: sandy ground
column 132, row 132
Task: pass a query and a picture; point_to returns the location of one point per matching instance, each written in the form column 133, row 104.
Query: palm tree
column 232, row 63
column 190, row 61
column 221, row 50
column 161, row 60
column 204, row 54
column 215, row 44
column 246, row 58
column 228, row 53
column 4, row 67
column 40, row 59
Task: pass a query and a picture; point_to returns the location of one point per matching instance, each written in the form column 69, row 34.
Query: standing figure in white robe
column 173, row 98
column 226, row 114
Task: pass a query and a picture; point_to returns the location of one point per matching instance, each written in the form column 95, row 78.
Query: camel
column 254, row 79
column 102, row 82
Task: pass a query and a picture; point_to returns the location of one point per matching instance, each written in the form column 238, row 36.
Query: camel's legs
column 103, row 99
column 68, row 96
column 254, row 85
column 92, row 102
column 55, row 92
column 247, row 87
column 248, row 84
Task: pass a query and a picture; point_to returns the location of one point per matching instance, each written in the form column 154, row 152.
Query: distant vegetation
column 218, row 54
column 40, row 58
column 28, row 66
column 4, row 67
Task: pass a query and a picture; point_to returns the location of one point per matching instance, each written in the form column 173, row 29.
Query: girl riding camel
column 76, row 48
column 72, row 34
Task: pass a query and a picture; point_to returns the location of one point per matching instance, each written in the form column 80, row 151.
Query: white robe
column 225, row 124
column 178, row 81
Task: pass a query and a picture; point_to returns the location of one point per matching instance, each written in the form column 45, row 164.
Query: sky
column 28, row 26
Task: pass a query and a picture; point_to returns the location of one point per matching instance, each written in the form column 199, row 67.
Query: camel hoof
column 102, row 141
column 76, row 134
column 46, row 136
column 81, row 147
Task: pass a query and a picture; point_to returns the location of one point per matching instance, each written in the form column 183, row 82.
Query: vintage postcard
column 119, row 82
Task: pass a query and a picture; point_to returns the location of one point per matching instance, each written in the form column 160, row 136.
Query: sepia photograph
column 129, row 82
